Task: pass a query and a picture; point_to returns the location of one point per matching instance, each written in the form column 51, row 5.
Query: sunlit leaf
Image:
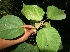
column 32, row 12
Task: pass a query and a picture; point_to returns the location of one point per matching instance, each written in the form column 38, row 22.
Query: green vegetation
column 48, row 38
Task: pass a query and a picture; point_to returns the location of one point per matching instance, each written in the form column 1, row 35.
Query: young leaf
column 37, row 25
column 54, row 13
column 48, row 39
column 47, row 24
column 33, row 12
column 25, row 47
column 10, row 27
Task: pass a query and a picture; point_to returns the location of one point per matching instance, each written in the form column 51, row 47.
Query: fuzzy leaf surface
column 48, row 39
column 54, row 13
column 25, row 47
column 10, row 27
column 32, row 12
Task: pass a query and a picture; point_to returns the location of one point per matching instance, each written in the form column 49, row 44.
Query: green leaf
column 54, row 13
column 33, row 12
column 61, row 46
column 48, row 39
column 37, row 25
column 47, row 24
column 25, row 47
column 10, row 27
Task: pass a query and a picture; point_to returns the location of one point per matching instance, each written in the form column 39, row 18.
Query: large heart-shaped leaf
column 25, row 47
column 54, row 13
column 33, row 12
column 10, row 27
column 48, row 39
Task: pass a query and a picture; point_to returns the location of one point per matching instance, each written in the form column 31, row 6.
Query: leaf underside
column 48, row 39
column 10, row 27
